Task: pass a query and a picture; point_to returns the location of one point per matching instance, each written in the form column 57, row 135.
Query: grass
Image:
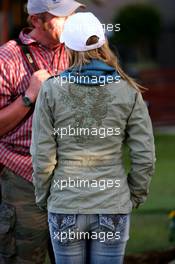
column 150, row 223
column 149, row 232
column 162, row 191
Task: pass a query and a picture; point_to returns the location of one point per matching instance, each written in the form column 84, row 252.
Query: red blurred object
column 5, row 22
column 161, row 95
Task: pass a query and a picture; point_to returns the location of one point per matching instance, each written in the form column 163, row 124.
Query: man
column 23, row 226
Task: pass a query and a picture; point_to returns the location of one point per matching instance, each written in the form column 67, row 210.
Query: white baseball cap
column 54, row 7
column 78, row 28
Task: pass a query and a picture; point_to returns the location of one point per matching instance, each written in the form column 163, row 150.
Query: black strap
column 28, row 55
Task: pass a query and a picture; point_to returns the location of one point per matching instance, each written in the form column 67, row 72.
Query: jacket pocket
column 7, row 233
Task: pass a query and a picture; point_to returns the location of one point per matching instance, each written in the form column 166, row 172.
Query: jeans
column 89, row 239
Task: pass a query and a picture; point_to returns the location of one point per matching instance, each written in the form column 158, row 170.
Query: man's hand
column 35, row 84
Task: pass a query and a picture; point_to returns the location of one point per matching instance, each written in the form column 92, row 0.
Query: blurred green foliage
column 139, row 22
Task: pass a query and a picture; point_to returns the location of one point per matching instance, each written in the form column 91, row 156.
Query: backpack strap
column 27, row 55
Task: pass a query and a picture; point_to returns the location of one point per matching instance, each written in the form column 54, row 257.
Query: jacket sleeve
column 43, row 148
column 140, row 140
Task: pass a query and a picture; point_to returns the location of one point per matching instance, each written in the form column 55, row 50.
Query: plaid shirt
column 15, row 74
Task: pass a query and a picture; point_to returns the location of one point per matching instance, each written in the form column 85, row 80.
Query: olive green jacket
column 78, row 135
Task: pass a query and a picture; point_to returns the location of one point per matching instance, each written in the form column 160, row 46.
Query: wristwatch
column 27, row 101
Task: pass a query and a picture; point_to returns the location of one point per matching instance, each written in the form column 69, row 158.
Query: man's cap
column 78, row 28
column 54, row 7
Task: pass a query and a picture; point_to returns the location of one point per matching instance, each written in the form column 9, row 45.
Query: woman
column 82, row 120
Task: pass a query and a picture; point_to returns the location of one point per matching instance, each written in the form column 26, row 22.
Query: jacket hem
column 89, row 211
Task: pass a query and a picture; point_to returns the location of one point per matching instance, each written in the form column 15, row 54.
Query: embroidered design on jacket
column 90, row 105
